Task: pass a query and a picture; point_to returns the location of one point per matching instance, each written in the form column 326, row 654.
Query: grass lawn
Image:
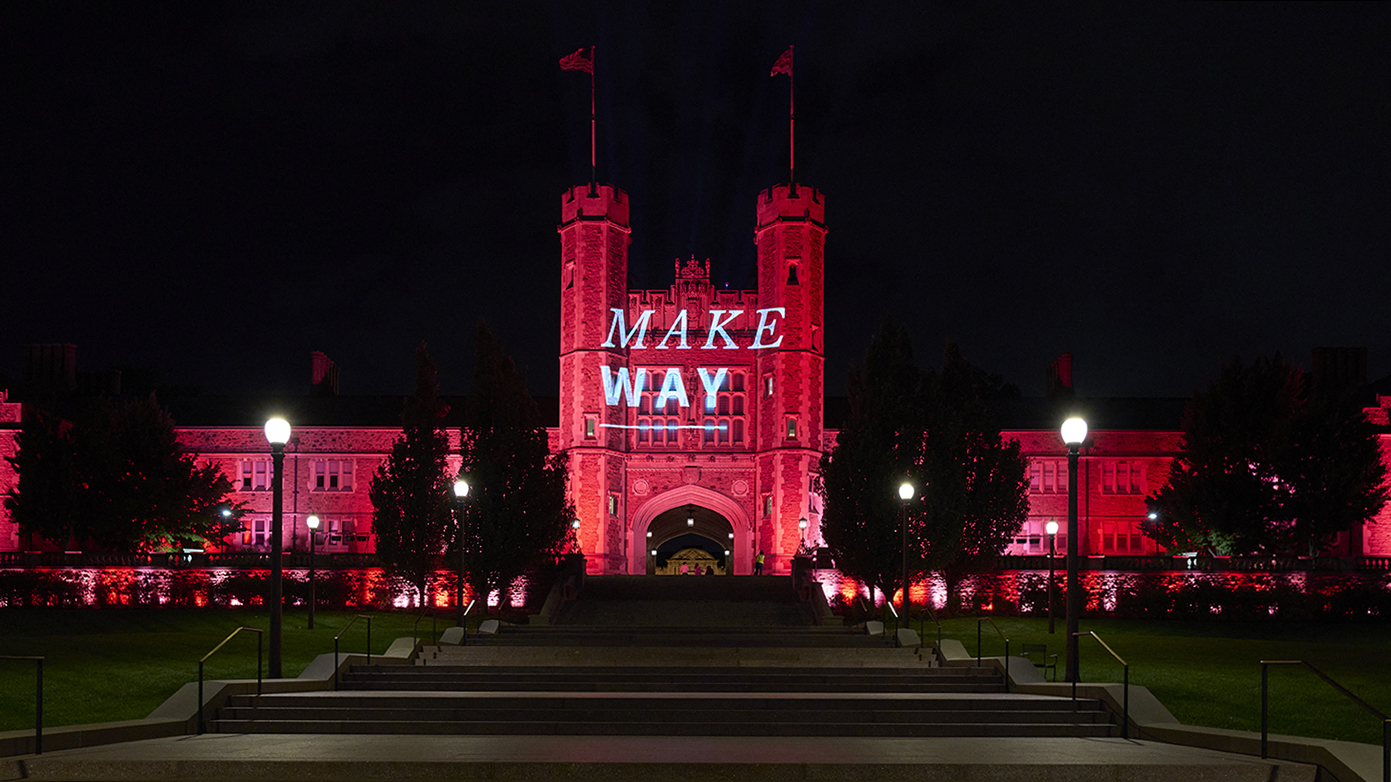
column 107, row 665
column 1208, row 673
column 119, row 664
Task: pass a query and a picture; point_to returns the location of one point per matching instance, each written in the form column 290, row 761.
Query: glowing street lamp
column 313, row 524
column 277, row 434
column 905, row 493
column 1052, row 529
column 802, row 531
column 460, row 494
column 1074, row 433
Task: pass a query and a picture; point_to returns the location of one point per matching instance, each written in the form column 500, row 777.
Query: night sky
column 215, row 190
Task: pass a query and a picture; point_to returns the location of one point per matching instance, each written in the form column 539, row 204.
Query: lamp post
column 460, row 492
column 802, row 532
column 905, row 493
column 277, row 434
column 313, row 524
column 1074, row 433
column 1052, row 529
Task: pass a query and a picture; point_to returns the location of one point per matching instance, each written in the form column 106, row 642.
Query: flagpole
column 791, row 122
column 593, row 170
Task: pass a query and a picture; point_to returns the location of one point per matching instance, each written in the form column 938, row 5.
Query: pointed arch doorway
column 690, row 516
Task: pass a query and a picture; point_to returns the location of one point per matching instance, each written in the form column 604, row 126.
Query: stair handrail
column 429, row 609
column 922, row 626
column 260, row 639
column 340, row 635
column 1265, row 711
column 1125, row 707
column 38, row 697
column 1002, row 635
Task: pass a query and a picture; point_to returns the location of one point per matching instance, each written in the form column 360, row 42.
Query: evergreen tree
column 976, row 497
column 934, row 431
column 118, row 480
column 517, row 511
column 412, row 517
column 46, row 501
column 876, row 450
column 1269, row 464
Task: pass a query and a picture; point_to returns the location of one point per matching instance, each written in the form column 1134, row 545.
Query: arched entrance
column 715, row 518
column 675, row 533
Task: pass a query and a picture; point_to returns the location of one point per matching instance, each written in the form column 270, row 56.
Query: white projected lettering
column 625, row 387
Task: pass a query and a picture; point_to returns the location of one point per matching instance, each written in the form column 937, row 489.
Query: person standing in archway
column 758, row 564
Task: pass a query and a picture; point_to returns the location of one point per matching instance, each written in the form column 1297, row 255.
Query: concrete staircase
column 687, row 601
column 673, row 656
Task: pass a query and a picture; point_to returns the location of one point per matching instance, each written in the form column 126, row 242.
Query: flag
column 577, row 62
column 784, row 64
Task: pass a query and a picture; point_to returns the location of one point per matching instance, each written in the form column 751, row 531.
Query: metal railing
column 340, row 635
column 922, row 623
column 1125, row 689
column 1265, row 711
column 1002, row 635
column 260, row 637
column 38, row 698
column 434, row 629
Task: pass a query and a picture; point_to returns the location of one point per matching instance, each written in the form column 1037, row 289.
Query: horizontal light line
column 721, row 427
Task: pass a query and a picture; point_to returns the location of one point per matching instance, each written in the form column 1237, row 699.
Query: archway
column 716, row 517
column 674, row 533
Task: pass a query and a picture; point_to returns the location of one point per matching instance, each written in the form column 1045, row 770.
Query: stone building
column 693, row 409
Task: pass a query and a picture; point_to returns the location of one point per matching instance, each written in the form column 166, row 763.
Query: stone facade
column 691, row 409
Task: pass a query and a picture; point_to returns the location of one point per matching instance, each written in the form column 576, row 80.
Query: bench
column 874, row 627
column 452, row 636
column 489, row 626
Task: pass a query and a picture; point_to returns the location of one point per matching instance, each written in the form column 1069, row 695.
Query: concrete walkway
column 235, row 757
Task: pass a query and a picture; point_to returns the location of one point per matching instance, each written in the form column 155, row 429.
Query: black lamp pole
column 1052, row 558
column 1074, row 434
column 277, row 527
column 313, row 524
column 461, row 489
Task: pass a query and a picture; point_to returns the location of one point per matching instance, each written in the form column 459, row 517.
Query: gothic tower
column 790, row 235
column 594, row 238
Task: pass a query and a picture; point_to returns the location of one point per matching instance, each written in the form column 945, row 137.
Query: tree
column 517, row 510
column 412, row 517
column 118, row 480
column 933, row 430
column 875, row 451
column 976, row 497
column 45, row 500
column 1270, row 463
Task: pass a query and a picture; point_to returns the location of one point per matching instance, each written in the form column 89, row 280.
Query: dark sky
column 216, row 189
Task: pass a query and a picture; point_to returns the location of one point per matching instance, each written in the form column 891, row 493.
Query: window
column 255, row 474
column 767, row 505
column 589, row 426
column 613, row 504
column 1047, row 476
column 257, row 532
column 332, row 475
column 1123, row 478
column 792, row 429
column 768, row 385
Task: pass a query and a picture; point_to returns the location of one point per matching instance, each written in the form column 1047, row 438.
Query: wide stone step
column 762, row 687
column 650, row 728
column 557, row 702
column 670, row 713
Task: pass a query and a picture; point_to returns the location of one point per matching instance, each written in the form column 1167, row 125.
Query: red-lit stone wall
column 1115, row 471
column 9, row 446
column 327, row 472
